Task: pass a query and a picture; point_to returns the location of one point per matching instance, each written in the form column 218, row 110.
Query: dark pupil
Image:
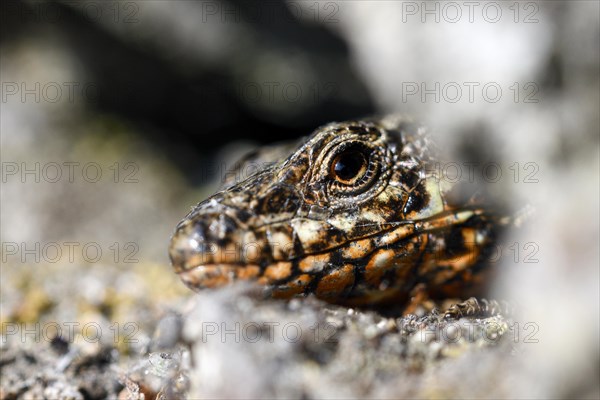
column 349, row 165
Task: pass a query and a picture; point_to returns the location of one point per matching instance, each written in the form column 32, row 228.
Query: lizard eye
column 353, row 169
column 348, row 166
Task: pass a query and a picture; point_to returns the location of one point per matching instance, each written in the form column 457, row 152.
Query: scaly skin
column 354, row 214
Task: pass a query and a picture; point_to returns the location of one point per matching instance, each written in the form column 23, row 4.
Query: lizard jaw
column 211, row 276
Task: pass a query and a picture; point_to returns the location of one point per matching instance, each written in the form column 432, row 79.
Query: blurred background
column 118, row 116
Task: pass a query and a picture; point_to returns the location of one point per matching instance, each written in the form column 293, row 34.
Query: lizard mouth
column 216, row 275
column 210, row 264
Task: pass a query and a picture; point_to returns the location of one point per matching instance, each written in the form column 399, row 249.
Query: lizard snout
column 210, row 249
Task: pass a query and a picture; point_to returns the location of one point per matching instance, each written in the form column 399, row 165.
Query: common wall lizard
column 354, row 214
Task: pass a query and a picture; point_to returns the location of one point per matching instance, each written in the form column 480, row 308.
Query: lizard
column 354, row 214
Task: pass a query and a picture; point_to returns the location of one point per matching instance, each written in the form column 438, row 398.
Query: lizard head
column 339, row 215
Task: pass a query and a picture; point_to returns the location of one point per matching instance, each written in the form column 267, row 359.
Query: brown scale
column 352, row 214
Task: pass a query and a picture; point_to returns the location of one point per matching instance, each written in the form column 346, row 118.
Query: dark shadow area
column 189, row 111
